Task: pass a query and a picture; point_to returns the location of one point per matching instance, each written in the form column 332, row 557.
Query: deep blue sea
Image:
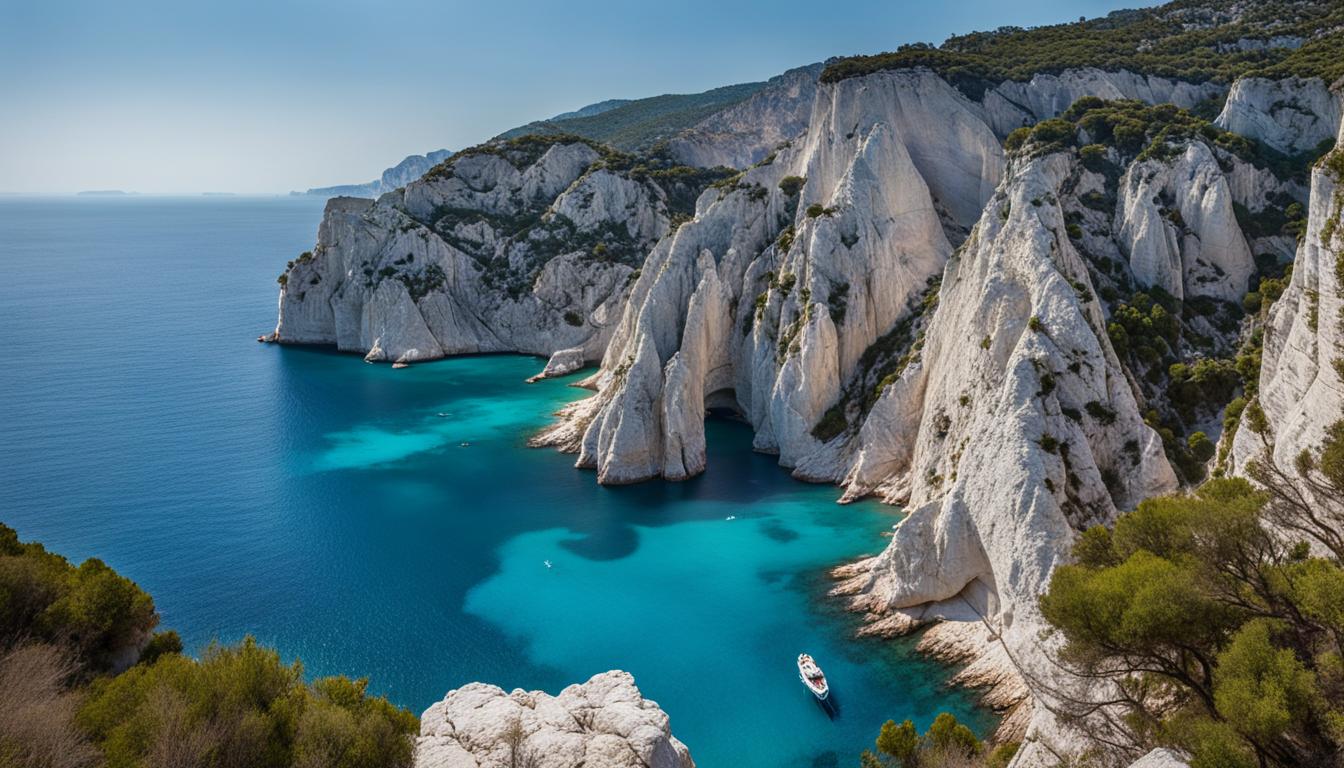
column 393, row 524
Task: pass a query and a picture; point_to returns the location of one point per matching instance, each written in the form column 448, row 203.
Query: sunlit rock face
column 519, row 251
column 1301, row 392
column 892, row 303
column 780, row 284
column 1292, row 115
column 603, row 723
column 1014, row 104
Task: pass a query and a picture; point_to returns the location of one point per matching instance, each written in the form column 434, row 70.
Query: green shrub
column 1148, row 41
column 832, row 423
column 1204, row 598
column 1017, row 139
column 838, row 303
column 792, row 185
column 237, row 706
column 1093, row 157
column 242, row 706
column 573, row 318
column 90, row 609
column 1201, row 447
column 946, row 742
column 1100, row 412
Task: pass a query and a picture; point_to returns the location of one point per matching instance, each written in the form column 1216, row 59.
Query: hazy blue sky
column 270, row 96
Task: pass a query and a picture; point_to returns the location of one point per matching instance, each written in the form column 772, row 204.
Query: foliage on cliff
column 1139, row 131
column 90, row 609
column 65, row 630
column 1193, row 40
column 642, row 123
column 946, row 744
column 1219, row 616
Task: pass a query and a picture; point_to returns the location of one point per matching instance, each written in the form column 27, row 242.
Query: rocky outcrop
column 1005, row 458
column 525, row 247
column 774, row 295
column 603, row 723
column 1177, row 225
column 746, row 133
column 562, row 363
column 813, row 303
column 1301, row 390
column 1013, row 104
column 1291, row 115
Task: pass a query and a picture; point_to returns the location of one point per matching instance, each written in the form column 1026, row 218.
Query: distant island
column 104, row 193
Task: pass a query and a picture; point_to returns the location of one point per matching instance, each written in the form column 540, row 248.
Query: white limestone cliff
column 1290, row 115
column 1177, row 225
column 721, row 307
column 1005, row 459
column 1301, row 391
column 909, row 317
column 485, row 257
column 603, row 723
column 1013, row 104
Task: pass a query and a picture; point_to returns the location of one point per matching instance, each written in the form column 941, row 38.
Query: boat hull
column 821, row 693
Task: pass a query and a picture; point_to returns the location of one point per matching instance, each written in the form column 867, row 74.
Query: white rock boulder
column 603, row 723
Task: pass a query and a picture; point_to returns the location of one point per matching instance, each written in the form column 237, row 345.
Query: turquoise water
column 393, row 523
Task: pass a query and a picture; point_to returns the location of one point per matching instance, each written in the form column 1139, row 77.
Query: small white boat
column 813, row 677
column 730, row 517
column 547, row 563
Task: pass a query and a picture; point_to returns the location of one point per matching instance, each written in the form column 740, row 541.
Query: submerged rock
column 603, row 723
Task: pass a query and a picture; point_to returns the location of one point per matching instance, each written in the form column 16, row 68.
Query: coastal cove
column 393, row 523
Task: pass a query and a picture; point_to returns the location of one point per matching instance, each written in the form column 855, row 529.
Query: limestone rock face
column 1291, row 115
column 1000, row 474
column 1160, row 758
column 506, row 250
column 563, row 362
column 769, row 298
column 603, row 723
column 1013, row 104
column 814, row 293
column 745, row 133
column 1301, row 392
column 889, row 302
column 1177, row 225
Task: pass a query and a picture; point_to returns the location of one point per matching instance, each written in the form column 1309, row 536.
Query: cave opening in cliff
column 722, row 404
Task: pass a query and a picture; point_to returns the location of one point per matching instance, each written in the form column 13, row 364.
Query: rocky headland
column 1015, row 304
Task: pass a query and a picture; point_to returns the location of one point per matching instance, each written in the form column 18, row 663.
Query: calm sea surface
column 392, row 524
